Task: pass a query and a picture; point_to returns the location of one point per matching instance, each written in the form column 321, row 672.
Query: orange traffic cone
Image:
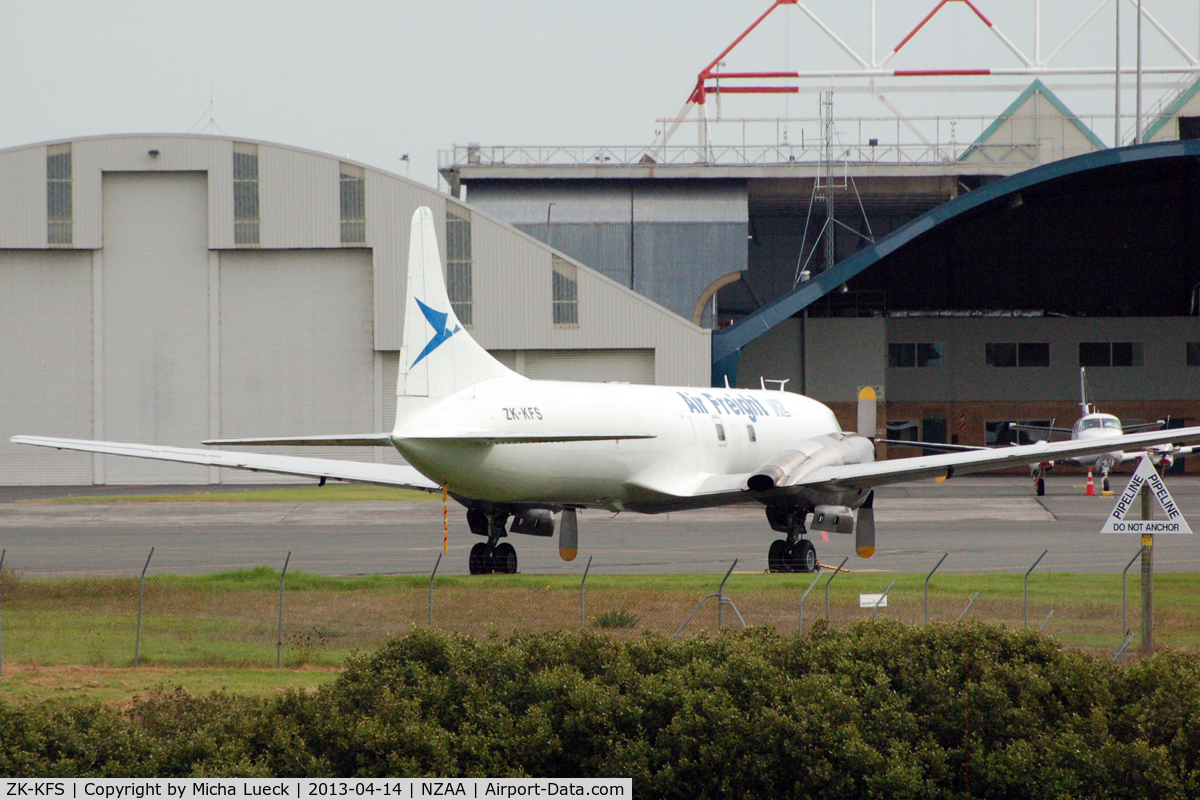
column 1091, row 487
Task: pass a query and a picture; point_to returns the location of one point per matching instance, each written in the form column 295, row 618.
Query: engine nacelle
column 834, row 519
column 533, row 522
column 790, row 466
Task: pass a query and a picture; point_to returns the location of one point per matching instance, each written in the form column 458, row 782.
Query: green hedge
column 878, row 710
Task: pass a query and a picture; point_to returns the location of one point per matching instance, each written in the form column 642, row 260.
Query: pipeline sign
column 1146, row 475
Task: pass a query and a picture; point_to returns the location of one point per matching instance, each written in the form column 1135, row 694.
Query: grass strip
column 230, row 619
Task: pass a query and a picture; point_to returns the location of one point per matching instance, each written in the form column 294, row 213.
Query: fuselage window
column 720, row 430
column 750, row 433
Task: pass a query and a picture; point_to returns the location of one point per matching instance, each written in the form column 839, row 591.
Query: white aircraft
column 1095, row 425
column 512, row 448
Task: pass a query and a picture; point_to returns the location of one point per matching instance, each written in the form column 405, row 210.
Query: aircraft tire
column 803, row 556
column 777, row 557
column 1106, row 486
column 1041, row 487
column 479, row 562
column 504, row 559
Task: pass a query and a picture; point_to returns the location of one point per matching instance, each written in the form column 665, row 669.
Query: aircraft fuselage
column 695, row 434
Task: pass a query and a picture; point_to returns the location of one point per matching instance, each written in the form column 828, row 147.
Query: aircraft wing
column 1045, row 430
column 1144, row 426
column 400, row 475
column 880, row 473
column 939, row 446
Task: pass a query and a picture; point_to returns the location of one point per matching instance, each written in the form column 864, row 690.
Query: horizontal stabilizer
column 482, row 438
column 400, row 475
column 352, row 440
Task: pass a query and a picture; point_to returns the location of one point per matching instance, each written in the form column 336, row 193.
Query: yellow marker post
column 445, row 518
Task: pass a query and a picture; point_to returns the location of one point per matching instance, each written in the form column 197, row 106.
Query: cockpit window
column 1090, row 423
column 1112, row 423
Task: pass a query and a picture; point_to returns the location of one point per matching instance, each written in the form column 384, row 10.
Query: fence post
column 721, row 593
column 432, row 575
column 1120, row 653
column 721, row 600
column 1026, row 584
column 882, row 597
column 970, row 603
column 279, row 638
column 582, row 583
column 137, row 648
column 800, row 628
column 831, row 577
column 3, row 553
column 1124, row 575
column 927, row 577
column 1046, row 621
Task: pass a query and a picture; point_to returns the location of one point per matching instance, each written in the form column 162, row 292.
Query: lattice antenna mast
column 827, row 157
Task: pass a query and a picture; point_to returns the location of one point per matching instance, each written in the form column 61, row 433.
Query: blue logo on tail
column 436, row 319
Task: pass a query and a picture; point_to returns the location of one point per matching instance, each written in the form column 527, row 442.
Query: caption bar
column 377, row 788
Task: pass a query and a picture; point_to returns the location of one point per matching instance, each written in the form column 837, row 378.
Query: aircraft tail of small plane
column 437, row 356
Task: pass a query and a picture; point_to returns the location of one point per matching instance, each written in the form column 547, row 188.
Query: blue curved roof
column 728, row 342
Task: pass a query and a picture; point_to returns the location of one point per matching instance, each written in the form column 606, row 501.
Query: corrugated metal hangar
column 969, row 290
column 168, row 289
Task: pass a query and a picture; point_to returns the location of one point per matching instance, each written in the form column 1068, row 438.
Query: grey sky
column 377, row 80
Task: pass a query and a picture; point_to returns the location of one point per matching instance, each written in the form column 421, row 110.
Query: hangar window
column 353, row 192
column 245, row 193
column 915, row 354
column 58, row 194
column 1193, row 354
column 458, row 262
column 565, row 293
column 1017, row 354
column 1001, row 354
column 1110, row 354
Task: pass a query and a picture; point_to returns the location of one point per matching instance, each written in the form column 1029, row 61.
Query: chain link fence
column 266, row 616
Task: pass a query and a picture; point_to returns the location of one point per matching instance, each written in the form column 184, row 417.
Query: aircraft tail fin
column 437, row 357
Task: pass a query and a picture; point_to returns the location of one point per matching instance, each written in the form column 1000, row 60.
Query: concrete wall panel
column 46, row 363
column 296, row 354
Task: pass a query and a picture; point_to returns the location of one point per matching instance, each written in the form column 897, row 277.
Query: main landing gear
column 492, row 555
column 794, row 554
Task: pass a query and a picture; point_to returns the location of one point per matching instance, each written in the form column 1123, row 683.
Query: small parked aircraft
column 1096, row 425
column 510, row 448
column 1091, row 426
